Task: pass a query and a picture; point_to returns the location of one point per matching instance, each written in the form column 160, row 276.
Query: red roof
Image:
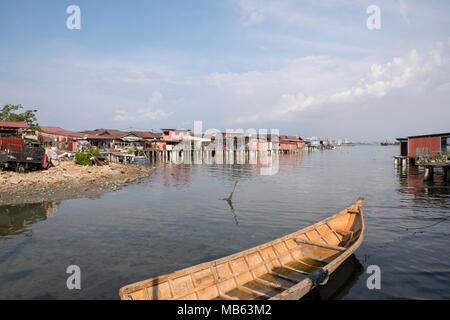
column 12, row 124
column 290, row 139
column 294, row 138
column 61, row 132
column 146, row 134
column 105, row 134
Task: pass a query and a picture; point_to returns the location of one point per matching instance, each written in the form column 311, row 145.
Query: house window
column 445, row 144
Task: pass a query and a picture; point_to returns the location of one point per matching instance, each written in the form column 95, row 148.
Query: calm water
column 174, row 220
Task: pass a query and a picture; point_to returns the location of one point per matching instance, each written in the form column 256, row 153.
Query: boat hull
column 282, row 269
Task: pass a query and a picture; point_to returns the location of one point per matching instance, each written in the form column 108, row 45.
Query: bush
column 82, row 158
column 94, row 152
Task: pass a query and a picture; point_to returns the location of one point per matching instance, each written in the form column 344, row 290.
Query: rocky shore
column 67, row 181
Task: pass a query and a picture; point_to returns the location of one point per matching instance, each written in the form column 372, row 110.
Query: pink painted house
column 175, row 135
column 255, row 144
column 287, row 146
column 297, row 140
column 62, row 139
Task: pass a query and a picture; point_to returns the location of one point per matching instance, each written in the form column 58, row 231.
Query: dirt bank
column 66, row 181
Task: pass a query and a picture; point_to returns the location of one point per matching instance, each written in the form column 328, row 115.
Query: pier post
column 219, row 156
column 429, row 173
column 404, row 162
column 189, row 156
column 396, row 162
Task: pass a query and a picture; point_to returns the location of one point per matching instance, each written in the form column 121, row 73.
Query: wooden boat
column 285, row 268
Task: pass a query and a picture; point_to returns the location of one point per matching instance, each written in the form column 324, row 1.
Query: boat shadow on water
column 340, row 282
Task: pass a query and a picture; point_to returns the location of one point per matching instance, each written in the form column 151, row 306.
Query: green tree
column 9, row 113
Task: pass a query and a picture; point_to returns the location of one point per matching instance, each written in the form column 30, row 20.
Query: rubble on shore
column 67, row 181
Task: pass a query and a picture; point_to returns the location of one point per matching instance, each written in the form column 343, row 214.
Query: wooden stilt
column 429, row 174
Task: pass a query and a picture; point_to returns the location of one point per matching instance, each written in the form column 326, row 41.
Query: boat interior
column 262, row 272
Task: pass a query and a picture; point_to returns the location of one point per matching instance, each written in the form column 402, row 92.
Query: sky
column 308, row 68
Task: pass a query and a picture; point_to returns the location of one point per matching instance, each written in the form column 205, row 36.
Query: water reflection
column 172, row 175
column 19, row 219
column 230, row 204
column 433, row 193
column 174, row 220
column 179, row 175
column 340, row 282
column 422, row 195
column 229, row 201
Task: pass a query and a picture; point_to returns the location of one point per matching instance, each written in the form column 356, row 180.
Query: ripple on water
column 175, row 219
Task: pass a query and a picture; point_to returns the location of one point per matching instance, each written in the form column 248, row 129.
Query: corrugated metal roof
column 105, row 134
column 147, row 134
column 13, row 124
column 61, row 132
column 430, row 135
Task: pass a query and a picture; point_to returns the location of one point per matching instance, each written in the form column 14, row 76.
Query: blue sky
column 304, row 67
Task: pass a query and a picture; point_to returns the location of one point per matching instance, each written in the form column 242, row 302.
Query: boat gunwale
column 127, row 290
column 330, row 267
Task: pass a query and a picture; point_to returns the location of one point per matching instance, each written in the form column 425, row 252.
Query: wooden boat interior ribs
column 280, row 269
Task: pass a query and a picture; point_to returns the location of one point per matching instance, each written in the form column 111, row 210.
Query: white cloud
column 299, row 15
column 306, row 93
column 255, row 18
column 143, row 114
column 140, row 115
column 155, row 99
column 412, row 70
column 251, row 13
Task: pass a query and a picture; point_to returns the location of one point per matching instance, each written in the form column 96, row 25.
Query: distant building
column 258, row 144
column 285, row 146
column 424, row 145
column 63, row 140
column 174, row 136
column 149, row 139
column 112, row 139
column 297, row 140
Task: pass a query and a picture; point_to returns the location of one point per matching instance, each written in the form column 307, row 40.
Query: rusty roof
column 147, row 134
column 14, row 124
column 105, row 134
column 429, row 135
column 61, row 132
